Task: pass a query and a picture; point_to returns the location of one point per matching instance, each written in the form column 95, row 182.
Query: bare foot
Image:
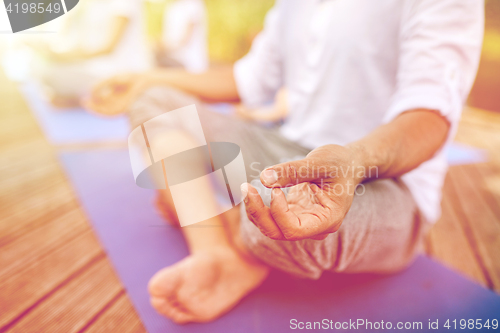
column 204, row 285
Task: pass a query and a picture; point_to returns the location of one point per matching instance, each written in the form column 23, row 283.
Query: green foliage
column 232, row 24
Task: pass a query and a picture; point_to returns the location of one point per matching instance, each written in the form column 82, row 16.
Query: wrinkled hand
column 321, row 193
column 114, row 95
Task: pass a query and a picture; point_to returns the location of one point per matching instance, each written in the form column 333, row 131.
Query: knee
column 304, row 258
column 167, row 97
column 156, row 101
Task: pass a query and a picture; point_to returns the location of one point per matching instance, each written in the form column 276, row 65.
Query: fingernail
column 244, row 191
column 269, row 176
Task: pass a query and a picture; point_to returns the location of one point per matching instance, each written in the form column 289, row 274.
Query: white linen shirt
column 352, row 65
column 178, row 16
column 131, row 54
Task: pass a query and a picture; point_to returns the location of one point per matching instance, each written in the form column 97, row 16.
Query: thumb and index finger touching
column 292, row 173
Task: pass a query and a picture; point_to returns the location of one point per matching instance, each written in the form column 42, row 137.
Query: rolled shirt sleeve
column 440, row 45
column 259, row 74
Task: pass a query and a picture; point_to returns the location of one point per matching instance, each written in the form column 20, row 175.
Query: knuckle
column 251, row 218
column 274, row 235
column 252, row 211
column 291, row 172
column 291, row 235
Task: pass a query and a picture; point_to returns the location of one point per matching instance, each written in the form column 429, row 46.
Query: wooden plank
column 119, row 317
column 23, row 290
column 24, row 216
column 31, row 178
column 11, row 138
column 18, row 153
column 479, row 222
column 486, row 173
column 491, row 183
column 481, row 116
column 48, row 253
column 16, row 169
column 36, row 188
column 450, row 246
column 68, row 309
column 489, row 140
column 41, row 241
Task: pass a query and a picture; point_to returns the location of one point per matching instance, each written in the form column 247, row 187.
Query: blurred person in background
column 101, row 39
column 374, row 91
column 183, row 40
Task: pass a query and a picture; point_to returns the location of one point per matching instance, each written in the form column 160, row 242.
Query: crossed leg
column 210, row 281
column 219, row 271
column 381, row 232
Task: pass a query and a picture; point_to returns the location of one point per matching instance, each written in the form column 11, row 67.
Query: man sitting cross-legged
column 374, row 92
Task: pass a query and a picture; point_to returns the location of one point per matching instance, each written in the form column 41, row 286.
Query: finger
column 296, row 226
column 291, row 173
column 96, row 107
column 326, row 201
column 321, row 196
column 102, row 90
column 287, row 221
column 335, row 216
column 259, row 214
column 108, row 88
column 110, row 107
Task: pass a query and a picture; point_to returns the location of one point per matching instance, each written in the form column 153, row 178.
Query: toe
column 169, row 310
column 165, row 282
column 163, row 288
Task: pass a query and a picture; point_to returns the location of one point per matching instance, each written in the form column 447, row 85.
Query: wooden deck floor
column 55, row 275
column 467, row 237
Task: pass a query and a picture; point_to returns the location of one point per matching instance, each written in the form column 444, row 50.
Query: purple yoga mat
column 139, row 243
column 458, row 154
column 73, row 125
